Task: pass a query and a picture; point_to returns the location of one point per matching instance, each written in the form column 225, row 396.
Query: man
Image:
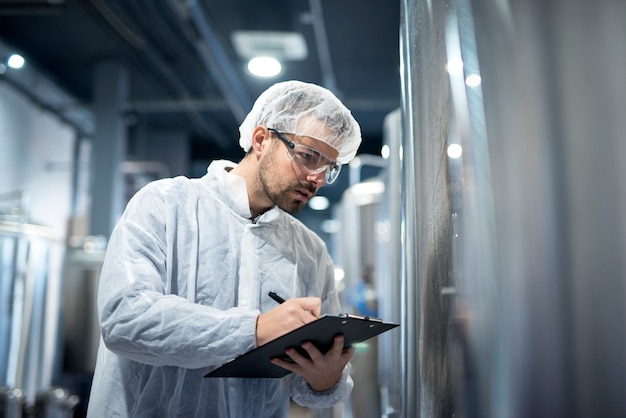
column 185, row 282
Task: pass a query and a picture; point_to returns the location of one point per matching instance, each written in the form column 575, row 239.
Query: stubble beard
column 280, row 198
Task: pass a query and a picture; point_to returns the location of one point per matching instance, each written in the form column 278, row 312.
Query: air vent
column 280, row 45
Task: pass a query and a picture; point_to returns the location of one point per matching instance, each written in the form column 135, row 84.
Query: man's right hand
column 286, row 317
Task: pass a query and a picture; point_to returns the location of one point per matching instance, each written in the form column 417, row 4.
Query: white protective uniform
column 185, row 276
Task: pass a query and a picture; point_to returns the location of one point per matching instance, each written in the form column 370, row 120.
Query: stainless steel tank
column 359, row 206
column 30, row 296
column 544, row 205
column 523, row 316
column 388, row 264
column 428, row 378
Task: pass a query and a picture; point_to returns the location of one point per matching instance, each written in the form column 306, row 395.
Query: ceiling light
column 264, row 66
column 16, row 61
column 285, row 46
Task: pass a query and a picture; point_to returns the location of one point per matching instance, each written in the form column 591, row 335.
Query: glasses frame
column 332, row 167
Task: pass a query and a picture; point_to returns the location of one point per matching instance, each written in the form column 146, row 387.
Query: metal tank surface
column 427, row 316
column 513, row 208
column 30, row 313
column 369, row 255
column 357, row 216
column 387, row 267
column 30, row 287
column 543, row 221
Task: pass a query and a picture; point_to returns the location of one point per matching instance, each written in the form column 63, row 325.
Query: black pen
column 276, row 297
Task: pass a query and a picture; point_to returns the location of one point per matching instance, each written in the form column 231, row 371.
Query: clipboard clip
column 361, row 317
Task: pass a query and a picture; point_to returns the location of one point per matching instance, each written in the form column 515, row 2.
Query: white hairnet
column 307, row 110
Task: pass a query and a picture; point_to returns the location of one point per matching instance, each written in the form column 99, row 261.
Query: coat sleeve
column 141, row 319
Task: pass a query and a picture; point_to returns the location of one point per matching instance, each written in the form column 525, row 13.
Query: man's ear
column 260, row 139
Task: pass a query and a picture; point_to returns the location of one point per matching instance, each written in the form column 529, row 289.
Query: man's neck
column 256, row 197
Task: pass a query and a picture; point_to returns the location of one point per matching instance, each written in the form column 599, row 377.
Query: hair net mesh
column 304, row 109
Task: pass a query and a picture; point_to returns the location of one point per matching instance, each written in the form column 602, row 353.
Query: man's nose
column 319, row 179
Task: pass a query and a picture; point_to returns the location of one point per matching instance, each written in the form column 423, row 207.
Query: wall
column 36, row 156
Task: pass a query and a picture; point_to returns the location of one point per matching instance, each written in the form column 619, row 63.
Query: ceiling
column 184, row 70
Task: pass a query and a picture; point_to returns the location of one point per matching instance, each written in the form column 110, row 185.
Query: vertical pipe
column 109, row 148
column 323, row 50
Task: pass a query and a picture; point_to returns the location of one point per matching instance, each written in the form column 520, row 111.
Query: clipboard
column 321, row 332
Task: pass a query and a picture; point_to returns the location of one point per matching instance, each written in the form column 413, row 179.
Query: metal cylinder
column 30, row 284
column 541, row 263
column 359, row 206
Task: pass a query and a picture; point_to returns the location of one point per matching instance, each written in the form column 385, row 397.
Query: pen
column 276, row 297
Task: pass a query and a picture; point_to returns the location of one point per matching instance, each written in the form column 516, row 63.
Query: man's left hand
column 321, row 371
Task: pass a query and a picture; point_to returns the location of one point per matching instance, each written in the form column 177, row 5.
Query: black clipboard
column 321, row 332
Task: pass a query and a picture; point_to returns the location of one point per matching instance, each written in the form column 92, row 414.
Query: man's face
column 283, row 182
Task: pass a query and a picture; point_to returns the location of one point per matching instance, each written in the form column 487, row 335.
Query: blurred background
column 485, row 211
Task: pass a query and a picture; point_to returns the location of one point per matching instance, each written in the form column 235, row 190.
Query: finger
column 338, row 345
column 297, row 357
column 339, row 350
column 312, row 304
column 285, row 364
column 315, row 354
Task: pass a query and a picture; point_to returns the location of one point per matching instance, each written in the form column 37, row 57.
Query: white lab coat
column 185, row 276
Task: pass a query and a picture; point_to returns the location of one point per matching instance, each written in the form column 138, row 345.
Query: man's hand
column 286, row 317
column 321, row 371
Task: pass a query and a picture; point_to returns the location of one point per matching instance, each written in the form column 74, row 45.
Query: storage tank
column 358, row 218
column 30, row 290
column 31, row 258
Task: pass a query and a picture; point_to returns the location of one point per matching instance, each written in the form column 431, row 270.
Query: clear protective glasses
column 310, row 160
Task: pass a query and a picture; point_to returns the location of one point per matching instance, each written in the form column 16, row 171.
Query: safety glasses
column 310, row 160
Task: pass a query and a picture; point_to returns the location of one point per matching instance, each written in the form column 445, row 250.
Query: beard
column 279, row 194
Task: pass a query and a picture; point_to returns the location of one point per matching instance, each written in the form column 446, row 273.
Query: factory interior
column 484, row 212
